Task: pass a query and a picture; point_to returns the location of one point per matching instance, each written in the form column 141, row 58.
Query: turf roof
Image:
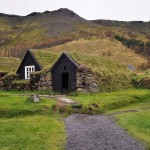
column 110, row 75
column 97, row 64
column 9, row 64
column 45, row 58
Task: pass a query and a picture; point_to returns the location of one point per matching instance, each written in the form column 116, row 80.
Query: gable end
column 24, row 58
column 64, row 54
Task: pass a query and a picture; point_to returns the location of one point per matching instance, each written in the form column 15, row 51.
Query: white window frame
column 28, row 71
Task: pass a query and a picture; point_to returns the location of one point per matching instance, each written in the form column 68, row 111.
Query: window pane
column 28, row 71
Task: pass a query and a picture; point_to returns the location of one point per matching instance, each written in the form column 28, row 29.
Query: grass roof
column 45, row 58
column 9, row 64
column 110, row 75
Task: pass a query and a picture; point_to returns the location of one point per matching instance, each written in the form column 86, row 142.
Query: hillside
column 38, row 29
column 107, row 48
column 139, row 26
column 9, row 65
column 63, row 29
column 51, row 28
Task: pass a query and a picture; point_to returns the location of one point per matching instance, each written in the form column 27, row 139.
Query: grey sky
column 88, row 9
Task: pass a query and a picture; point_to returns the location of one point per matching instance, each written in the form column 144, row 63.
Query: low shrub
column 142, row 81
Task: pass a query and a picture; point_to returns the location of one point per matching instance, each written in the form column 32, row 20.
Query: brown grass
column 111, row 49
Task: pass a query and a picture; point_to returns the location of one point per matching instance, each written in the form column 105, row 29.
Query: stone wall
column 7, row 81
column 86, row 80
column 41, row 81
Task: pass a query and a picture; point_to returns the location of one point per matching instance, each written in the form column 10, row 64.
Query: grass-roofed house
column 36, row 65
column 72, row 72
column 61, row 77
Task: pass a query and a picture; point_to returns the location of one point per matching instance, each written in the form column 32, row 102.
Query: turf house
column 67, row 72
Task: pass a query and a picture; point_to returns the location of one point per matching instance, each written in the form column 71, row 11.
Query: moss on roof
column 9, row 64
column 110, row 75
column 45, row 58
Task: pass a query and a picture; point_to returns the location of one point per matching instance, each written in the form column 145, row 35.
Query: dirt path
column 63, row 99
column 97, row 132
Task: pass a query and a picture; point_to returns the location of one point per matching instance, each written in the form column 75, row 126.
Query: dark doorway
column 65, row 82
column 64, row 74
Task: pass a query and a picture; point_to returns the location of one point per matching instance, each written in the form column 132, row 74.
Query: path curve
column 97, row 132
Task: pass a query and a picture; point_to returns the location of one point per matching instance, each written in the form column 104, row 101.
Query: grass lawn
column 137, row 124
column 27, row 92
column 32, row 132
column 25, row 125
column 20, row 105
column 115, row 100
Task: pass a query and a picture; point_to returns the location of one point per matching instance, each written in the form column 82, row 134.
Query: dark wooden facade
column 64, row 74
column 28, row 60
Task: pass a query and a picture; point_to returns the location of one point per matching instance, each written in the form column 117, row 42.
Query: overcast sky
column 88, row 9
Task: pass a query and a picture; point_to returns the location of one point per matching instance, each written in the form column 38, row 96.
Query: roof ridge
column 70, row 57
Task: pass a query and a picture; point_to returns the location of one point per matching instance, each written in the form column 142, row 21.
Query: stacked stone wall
column 86, row 80
column 41, row 81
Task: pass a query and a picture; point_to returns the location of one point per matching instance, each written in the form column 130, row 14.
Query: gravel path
column 97, row 132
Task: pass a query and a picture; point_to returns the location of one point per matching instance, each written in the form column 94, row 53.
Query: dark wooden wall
column 57, row 74
column 27, row 61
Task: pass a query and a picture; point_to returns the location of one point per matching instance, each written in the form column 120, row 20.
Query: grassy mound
column 112, row 102
column 107, row 48
column 9, row 64
column 110, row 75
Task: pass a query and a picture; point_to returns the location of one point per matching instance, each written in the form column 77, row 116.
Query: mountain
column 139, row 26
column 39, row 29
column 49, row 29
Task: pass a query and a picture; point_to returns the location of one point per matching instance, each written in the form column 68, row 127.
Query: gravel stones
column 97, row 132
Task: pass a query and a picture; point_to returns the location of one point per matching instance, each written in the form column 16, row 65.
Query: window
column 28, row 71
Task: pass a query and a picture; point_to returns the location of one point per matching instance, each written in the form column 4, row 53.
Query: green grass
column 32, row 132
column 21, row 105
column 6, row 64
column 27, row 125
column 110, row 75
column 137, row 124
column 9, row 92
column 114, row 100
column 45, row 58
